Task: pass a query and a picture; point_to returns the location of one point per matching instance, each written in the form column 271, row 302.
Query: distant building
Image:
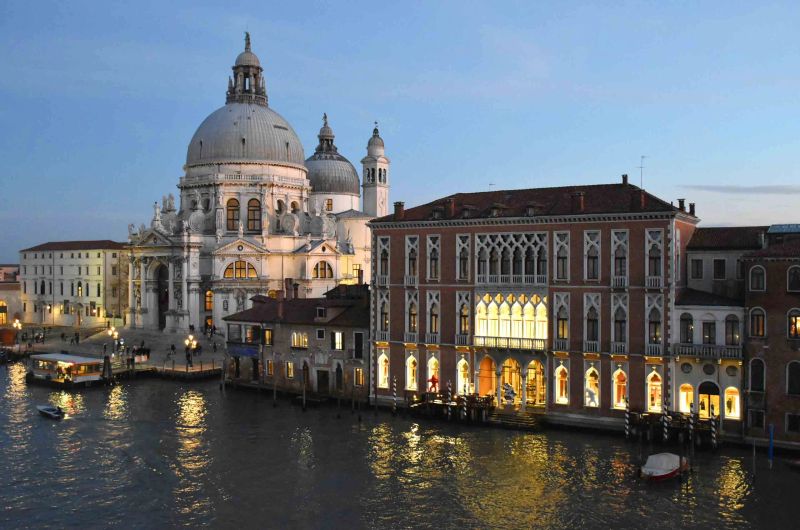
column 322, row 342
column 74, row 283
column 253, row 211
column 10, row 304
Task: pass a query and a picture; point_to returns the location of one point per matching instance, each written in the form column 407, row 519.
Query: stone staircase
column 521, row 421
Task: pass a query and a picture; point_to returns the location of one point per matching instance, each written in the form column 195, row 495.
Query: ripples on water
column 159, row 453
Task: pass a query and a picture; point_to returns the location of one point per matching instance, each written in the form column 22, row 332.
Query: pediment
column 320, row 248
column 240, row 247
column 151, row 238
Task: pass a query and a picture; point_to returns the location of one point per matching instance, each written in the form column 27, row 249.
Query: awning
column 243, row 351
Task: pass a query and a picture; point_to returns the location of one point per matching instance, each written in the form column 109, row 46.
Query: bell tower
column 375, row 180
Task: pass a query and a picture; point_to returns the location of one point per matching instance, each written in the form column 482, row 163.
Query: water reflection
column 192, row 456
column 117, row 405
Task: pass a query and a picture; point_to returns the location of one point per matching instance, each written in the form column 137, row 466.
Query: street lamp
column 191, row 344
column 17, row 326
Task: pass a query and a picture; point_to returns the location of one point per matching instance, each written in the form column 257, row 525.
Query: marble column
column 143, row 282
column 131, row 300
column 171, row 268
column 524, row 390
column 184, row 287
column 498, row 374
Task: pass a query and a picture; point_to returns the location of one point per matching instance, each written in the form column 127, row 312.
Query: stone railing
column 561, row 344
column 411, row 280
column 431, row 338
column 511, row 343
column 591, row 346
column 619, row 347
column 654, row 349
column 512, row 279
column 382, row 336
column 382, row 280
column 653, row 282
column 708, row 351
column 619, row 282
column 410, row 337
column 462, row 339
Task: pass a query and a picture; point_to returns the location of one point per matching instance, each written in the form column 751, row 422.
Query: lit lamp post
column 191, row 344
column 112, row 333
column 17, row 326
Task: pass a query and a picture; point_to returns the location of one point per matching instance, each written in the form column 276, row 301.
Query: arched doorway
column 162, row 295
column 512, row 375
column 3, row 313
column 537, row 390
column 432, row 382
column 486, row 377
column 708, row 397
column 462, row 377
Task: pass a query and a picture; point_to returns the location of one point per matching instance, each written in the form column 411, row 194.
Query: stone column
column 524, row 389
column 498, row 373
column 171, row 268
column 184, row 287
column 143, row 282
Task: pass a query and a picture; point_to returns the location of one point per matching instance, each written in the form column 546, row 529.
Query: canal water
column 152, row 454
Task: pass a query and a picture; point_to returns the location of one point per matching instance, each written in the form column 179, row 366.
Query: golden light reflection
column 734, row 486
column 72, row 404
column 117, row 404
column 304, row 443
column 191, row 458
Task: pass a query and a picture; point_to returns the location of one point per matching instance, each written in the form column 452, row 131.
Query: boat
column 49, row 411
column 663, row 466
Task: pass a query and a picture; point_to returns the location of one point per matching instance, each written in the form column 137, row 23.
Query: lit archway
column 654, row 392
column 685, row 398
column 512, row 376
column 536, row 387
column 486, row 377
column 463, row 385
column 708, row 398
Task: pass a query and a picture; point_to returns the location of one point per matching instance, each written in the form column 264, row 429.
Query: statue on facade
column 241, row 230
column 131, row 232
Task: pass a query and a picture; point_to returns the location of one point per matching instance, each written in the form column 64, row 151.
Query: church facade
column 254, row 216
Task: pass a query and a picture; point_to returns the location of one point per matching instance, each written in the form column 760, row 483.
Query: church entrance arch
column 162, row 294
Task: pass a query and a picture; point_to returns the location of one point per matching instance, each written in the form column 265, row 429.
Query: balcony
column 411, row 280
column 431, row 338
column 619, row 347
column 410, row 337
column 655, row 349
column 561, row 344
column 511, row 343
column 382, row 336
column 462, row 339
column 382, row 280
column 512, row 279
column 708, row 351
column 619, row 282
column 591, row 346
column 653, row 282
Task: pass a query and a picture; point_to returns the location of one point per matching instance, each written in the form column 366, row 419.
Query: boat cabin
column 65, row 368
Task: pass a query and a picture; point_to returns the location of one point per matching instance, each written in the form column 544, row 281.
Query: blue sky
column 98, row 101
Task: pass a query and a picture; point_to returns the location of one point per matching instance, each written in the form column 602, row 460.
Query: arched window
column 433, row 319
column 592, row 325
column 620, row 325
column 295, row 207
column 732, row 334
column 654, row 327
column 793, row 278
column 756, row 375
column 654, row 261
column 562, row 324
column 687, row 329
column 384, row 317
column 757, row 278
column 620, row 389
column 516, row 265
column 541, row 262
column 793, row 378
column 433, row 371
column 793, row 324
column 654, row 392
column 732, row 403
column 758, row 320
column 240, row 270
column 411, row 373
column 384, row 263
column 41, row 287
column 433, row 264
column 232, row 213
column 462, row 377
column 592, row 264
column 412, row 318
column 482, row 262
column 562, row 385
column 383, row 370
column 80, row 289
column 685, row 398
column 323, row 270
column 412, row 262
column 463, row 264
column 708, row 398
column 562, row 264
column 253, row 215
column 209, row 300
column 620, row 262
column 281, row 206
column 463, row 320
column 592, row 388
column 505, row 262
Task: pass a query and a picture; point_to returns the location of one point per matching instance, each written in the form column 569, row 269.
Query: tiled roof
column 695, row 297
column 727, row 238
column 344, row 313
column 598, row 199
column 353, row 214
column 101, row 244
column 788, row 249
column 784, row 229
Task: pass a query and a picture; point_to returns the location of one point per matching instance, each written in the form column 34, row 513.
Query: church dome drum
column 328, row 171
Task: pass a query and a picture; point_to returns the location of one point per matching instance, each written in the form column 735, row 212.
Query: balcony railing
column 619, row 282
column 653, row 282
column 511, row 343
column 462, row 339
column 411, row 280
column 515, row 279
column 382, row 336
column 382, row 280
column 708, row 351
column 654, row 349
column 591, row 346
column 410, row 337
column 431, row 338
column 561, row 344
column 619, row 347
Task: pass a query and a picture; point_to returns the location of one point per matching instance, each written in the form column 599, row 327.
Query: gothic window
column 592, row 327
column 463, row 264
column 323, row 270
column 530, row 262
column 620, row 325
column 592, row 264
column 384, row 263
column 562, row 324
column 654, row 327
column 412, row 318
column 687, row 329
column 433, row 257
column 620, row 262
column 654, row 261
column 654, row 392
column 620, row 389
column 433, row 319
column 463, row 320
column 411, row 373
column 253, row 215
column 412, row 262
column 383, row 369
column 239, row 270
column 232, row 213
column 384, row 317
column 592, row 388
column 541, row 262
column 562, row 386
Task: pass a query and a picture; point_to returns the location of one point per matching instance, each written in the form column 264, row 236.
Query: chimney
column 682, row 205
column 578, row 202
column 450, row 208
column 691, row 208
column 360, row 276
column 399, row 211
column 287, row 288
column 280, row 305
column 624, row 179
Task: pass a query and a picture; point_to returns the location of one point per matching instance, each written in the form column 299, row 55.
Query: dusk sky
column 99, row 102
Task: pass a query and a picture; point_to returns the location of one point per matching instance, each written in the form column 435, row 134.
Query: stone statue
column 185, row 226
column 219, row 235
column 142, row 229
column 131, row 231
column 240, row 301
column 156, row 214
column 241, row 230
column 170, row 203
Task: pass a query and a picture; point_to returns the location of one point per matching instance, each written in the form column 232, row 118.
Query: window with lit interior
column 240, row 270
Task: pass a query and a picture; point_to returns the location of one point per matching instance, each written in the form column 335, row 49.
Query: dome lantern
column 247, row 84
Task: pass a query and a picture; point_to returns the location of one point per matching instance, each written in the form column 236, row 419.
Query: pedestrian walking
column 105, row 348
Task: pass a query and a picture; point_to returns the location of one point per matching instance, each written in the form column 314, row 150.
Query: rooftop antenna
column 641, row 171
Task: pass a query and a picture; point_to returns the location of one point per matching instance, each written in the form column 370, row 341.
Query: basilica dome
column 328, row 171
column 245, row 130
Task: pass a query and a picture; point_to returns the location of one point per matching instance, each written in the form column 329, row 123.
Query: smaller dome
column 375, row 145
column 328, row 171
column 247, row 58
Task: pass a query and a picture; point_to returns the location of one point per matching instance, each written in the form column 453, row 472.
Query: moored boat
column 663, row 466
column 49, row 411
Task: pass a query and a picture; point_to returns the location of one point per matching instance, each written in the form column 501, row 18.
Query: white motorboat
column 49, row 411
column 663, row 466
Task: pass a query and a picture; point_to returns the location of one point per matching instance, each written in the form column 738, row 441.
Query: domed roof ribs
column 247, row 85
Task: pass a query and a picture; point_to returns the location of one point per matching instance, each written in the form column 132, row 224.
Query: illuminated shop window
column 620, row 389
column 562, row 385
column 732, row 403
column 592, row 388
column 654, row 392
column 685, row 398
column 411, row 373
column 383, row 370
